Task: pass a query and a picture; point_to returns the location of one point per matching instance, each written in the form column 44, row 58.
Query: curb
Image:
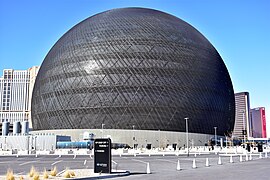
column 113, row 175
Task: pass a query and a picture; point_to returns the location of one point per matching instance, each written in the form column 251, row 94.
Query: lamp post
column 133, row 127
column 215, row 136
column 102, row 125
column 186, row 118
column 35, row 142
column 159, row 139
column 244, row 126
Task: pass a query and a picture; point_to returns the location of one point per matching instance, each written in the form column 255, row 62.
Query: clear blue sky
column 240, row 31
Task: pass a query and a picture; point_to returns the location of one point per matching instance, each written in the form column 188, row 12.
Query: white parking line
column 29, row 162
column 6, row 162
column 167, row 160
column 139, row 161
column 56, row 162
column 61, row 172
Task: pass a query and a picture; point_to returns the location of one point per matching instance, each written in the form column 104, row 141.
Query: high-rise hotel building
column 242, row 125
column 258, row 120
column 16, row 88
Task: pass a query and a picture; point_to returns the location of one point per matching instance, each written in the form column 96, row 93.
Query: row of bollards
column 207, row 163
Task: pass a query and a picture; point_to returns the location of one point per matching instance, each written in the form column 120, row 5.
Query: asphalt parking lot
column 161, row 167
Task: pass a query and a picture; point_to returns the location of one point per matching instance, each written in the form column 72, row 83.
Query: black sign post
column 102, row 155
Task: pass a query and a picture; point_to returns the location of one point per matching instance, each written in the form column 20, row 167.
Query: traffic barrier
column 219, row 161
column 148, row 169
column 207, row 164
column 178, row 168
column 231, row 159
column 241, row 158
column 246, row 157
column 194, row 164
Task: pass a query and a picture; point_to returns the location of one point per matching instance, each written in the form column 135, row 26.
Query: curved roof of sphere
column 133, row 66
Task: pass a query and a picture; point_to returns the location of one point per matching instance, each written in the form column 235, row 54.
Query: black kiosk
column 102, row 155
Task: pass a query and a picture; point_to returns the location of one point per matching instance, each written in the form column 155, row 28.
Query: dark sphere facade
column 133, row 66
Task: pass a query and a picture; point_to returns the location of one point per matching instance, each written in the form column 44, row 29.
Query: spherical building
column 133, row 67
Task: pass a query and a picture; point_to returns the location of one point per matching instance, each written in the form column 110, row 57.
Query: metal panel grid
column 133, row 66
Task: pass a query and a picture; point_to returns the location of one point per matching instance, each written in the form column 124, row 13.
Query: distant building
column 16, row 88
column 242, row 123
column 258, row 120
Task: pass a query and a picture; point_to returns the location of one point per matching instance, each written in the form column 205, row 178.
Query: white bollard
column 134, row 155
column 163, row 154
column 199, row 152
column 59, row 155
column 246, row 157
column 260, row 155
column 231, row 159
column 36, row 155
column 84, row 162
column 194, row 164
column 241, row 158
column 120, row 155
column 219, row 161
column 74, row 156
column 178, row 168
column 265, row 155
column 149, row 154
column 250, row 157
column 195, row 155
column 17, row 155
column 91, row 156
column 148, row 169
column 207, row 164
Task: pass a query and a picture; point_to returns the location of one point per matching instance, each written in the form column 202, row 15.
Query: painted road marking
column 139, row 161
column 29, row 162
column 167, row 160
column 56, row 162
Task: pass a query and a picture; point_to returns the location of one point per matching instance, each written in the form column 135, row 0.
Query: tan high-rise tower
column 242, row 116
column 16, row 88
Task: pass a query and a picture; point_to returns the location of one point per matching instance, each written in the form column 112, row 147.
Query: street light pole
column 133, row 126
column 186, row 118
column 215, row 136
column 102, row 125
column 159, row 139
column 244, row 126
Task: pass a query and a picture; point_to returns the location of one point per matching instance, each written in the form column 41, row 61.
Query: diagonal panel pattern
column 133, row 66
